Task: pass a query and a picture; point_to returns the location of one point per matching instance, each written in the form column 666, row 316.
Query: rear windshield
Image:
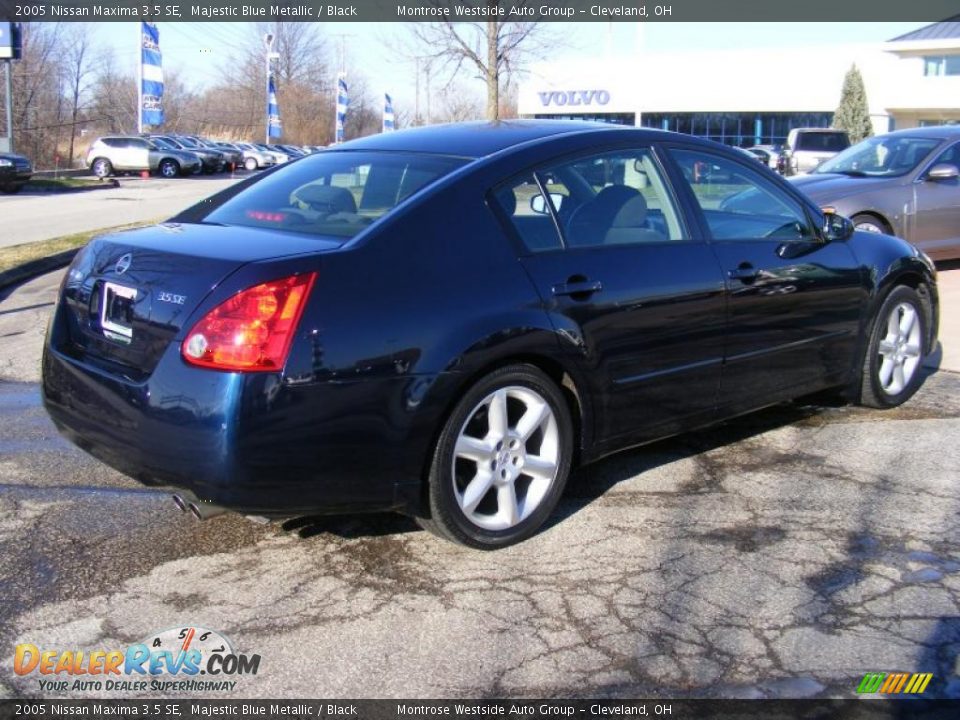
column 823, row 142
column 333, row 193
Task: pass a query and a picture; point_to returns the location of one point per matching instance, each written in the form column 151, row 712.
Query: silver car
column 126, row 153
column 255, row 158
column 904, row 183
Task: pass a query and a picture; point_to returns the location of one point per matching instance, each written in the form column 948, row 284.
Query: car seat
column 616, row 216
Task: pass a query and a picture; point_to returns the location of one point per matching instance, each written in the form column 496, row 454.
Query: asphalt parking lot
column 783, row 554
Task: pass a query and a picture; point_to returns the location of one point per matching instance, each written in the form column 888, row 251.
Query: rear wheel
column 102, row 168
column 251, row 164
column 502, row 460
column 169, row 168
column 891, row 369
column 870, row 223
column 11, row 189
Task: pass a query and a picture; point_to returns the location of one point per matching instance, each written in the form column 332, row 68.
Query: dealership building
column 755, row 96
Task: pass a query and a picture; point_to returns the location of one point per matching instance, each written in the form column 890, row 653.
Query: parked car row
column 172, row 155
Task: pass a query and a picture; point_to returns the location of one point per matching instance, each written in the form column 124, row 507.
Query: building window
column 613, row 118
column 941, row 65
column 743, row 129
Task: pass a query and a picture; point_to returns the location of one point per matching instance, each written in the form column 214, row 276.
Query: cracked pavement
column 782, row 554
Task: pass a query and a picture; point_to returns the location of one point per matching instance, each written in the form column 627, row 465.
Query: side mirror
column 943, row 171
column 539, row 204
column 836, row 228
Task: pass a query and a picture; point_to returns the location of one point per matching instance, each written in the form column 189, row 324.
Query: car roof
column 937, row 132
column 479, row 139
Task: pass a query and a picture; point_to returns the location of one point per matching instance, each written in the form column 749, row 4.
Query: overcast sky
column 197, row 50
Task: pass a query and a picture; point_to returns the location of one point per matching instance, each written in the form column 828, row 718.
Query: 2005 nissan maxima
column 444, row 321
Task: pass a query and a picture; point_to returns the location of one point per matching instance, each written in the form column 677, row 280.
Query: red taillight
column 251, row 331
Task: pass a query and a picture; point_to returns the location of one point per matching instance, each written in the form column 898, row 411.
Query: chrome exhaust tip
column 180, row 502
column 204, row 511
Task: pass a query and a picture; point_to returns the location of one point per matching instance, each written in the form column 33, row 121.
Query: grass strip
column 18, row 262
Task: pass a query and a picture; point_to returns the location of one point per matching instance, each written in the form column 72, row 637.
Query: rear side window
column 608, row 199
column 334, row 193
column 527, row 209
column 822, row 142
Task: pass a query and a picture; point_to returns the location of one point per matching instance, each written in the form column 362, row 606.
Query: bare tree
column 459, row 105
column 78, row 74
column 113, row 107
column 36, row 92
column 494, row 50
column 304, row 86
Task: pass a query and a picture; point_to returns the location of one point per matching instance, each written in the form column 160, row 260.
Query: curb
column 35, row 268
column 106, row 185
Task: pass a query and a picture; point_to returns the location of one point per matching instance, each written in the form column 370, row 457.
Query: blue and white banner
column 274, row 129
column 389, row 119
column 151, row 75
column 343, row 99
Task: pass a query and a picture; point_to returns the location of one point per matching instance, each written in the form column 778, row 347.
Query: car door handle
column 575, row 287
column 744, row 272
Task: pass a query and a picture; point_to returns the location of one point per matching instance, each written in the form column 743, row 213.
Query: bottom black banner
column 717, row 709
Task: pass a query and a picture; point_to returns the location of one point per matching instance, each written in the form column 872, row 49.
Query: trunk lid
column 127, row 295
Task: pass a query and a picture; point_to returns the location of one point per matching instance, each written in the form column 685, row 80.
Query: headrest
column 327, row 198
column 632, row 214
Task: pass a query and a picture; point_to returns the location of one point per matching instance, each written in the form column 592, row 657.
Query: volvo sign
column 567, row 98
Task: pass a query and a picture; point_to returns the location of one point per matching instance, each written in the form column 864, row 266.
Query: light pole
column 270, row 55
column 9, row 93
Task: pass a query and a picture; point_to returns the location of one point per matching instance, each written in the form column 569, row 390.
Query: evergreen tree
column 853, row 112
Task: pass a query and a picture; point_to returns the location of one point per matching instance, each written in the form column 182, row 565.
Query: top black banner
column 480, row 10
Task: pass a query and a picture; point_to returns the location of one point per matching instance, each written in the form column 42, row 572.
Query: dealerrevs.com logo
column 895, row 683
column 188, row 659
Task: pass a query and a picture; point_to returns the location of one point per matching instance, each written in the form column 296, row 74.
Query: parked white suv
column 129, row 153
column 808, row 147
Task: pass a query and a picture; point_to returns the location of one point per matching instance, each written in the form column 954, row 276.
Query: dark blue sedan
column 444, row 321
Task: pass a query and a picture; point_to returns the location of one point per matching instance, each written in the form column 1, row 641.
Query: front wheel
column 502, row 460
column 102, row 168
column 869, row 223
column 169, row 168
column 891, row 368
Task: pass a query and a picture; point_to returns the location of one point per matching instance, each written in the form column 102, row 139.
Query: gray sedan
column 903, row 183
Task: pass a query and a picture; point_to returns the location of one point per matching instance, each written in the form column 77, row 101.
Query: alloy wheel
column 900, row 348
column 506, row 458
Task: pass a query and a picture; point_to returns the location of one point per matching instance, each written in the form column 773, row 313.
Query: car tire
column 11, row 189
column 509, row 422
column 102, row 168
column 892, row 367
column 870, row 223
column 169, row 168
column 251, row 164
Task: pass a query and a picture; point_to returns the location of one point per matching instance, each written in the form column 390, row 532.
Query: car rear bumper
column 246, row 442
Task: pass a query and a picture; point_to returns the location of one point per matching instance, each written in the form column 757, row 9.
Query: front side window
column 950, row 156
column 334, row 193
column 738, row 203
